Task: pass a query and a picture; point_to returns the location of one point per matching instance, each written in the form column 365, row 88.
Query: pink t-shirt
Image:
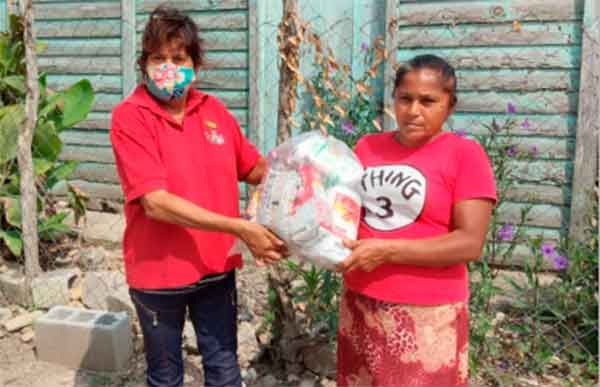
column 409, row 193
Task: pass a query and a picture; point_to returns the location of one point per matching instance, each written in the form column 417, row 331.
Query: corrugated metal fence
column 518, row 52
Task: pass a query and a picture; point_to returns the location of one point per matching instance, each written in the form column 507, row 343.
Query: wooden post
column 256, row 73
column 287, row 80
column 391, row 45
column 128, row 46
column 24, row 158
column 279, row 276
column 588, row 122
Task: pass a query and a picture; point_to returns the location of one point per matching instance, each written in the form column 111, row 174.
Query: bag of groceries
column 309, row 197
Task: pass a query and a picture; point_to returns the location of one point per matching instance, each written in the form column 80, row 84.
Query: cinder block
column 81, row 338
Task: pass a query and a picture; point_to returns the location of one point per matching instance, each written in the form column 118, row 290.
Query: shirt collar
column 141, row 97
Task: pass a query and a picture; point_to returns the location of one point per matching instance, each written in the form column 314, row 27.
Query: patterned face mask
column 167, row 81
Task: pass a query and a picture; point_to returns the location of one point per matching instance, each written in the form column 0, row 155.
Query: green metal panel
column 528, row 57
column 3, row 15
column 84, row 40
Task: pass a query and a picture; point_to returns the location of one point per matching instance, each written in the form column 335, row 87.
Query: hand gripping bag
column 309, row 197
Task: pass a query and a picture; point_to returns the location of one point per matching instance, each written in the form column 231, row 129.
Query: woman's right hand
column 263, row 244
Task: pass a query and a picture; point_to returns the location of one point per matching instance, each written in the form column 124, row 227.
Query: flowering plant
column 342, row 104
column 550, row 318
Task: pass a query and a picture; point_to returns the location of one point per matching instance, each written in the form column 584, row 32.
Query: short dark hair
column 432, row 62
column 167, row 24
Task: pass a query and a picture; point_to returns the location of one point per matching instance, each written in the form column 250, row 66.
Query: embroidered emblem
column 212, row 135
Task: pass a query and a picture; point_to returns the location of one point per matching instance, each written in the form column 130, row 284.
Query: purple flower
column 460, row 132
column 511, row 108
column 348, row 128
column 534, row 151
column 364, row 47
column 548, row 249
column 511, row 151
column 526, row 125
column 560, row 262
column 506, row 232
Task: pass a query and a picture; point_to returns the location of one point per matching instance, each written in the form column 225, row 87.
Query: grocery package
column 309, row 197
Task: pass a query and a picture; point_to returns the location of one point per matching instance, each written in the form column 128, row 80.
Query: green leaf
column 46, row 143
column 60, row 172
column 51, row 104
column 12, row 207
column 53, row 227
column 4, row 58
column 41, row 166
column 11, row 119
column 12, row 240
column 43, row 82
column 16, row 63
column 78, row 100
column 16, row 82
column 12, row 185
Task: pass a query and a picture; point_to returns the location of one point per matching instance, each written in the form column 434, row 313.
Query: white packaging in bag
column 309, row 197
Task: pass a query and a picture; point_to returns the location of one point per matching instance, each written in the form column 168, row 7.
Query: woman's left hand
column 366, row 255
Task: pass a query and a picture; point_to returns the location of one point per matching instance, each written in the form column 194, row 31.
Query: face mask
column 167, row 81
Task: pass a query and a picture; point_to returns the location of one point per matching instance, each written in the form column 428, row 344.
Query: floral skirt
column 396, row 345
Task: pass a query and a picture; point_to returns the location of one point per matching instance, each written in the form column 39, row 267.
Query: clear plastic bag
column 309, row 197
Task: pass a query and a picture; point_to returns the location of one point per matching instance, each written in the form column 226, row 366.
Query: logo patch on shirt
column 212, row 134
column 393, row 196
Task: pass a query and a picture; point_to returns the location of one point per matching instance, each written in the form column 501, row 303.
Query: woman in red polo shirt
column 428, row 197
column 180, row 156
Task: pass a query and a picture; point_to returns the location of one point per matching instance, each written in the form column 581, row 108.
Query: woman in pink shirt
column 428, row 197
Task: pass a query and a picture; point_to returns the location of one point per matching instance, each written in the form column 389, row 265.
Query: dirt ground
column 20, row 368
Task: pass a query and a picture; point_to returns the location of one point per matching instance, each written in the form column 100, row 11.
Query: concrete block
column 52, row 288
column 98, row 285
column 12, row 285
column 81, row 338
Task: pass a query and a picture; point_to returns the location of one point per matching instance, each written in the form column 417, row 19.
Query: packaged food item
column 309, row 197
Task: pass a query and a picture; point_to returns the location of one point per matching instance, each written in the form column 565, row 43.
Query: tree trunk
column 24, row 157
column 289, row 48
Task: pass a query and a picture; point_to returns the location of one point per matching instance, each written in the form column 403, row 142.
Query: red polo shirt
column 200, row 160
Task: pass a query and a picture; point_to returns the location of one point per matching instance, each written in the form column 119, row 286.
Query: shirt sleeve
column 246, row 154
column 137, row 155
column 358, row 150
column 474, row 174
